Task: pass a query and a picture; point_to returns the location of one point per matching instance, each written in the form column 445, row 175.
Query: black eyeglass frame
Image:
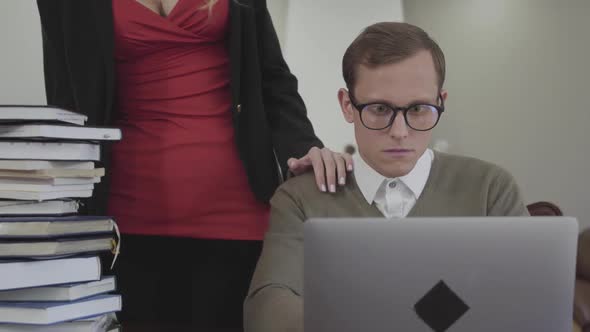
column 360, row 107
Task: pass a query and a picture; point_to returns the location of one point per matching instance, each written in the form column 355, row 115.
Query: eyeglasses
column 378, row 116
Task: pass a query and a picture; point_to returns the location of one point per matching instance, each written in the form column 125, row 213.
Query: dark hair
column 386, row 43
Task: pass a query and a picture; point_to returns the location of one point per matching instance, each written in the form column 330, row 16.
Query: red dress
column 177, row 171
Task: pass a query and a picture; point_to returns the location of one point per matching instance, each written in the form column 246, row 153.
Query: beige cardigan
column 457, row 186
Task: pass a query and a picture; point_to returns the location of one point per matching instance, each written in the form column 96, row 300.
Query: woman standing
column 208, row 108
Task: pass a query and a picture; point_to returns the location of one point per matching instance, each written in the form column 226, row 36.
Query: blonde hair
column 209, row 5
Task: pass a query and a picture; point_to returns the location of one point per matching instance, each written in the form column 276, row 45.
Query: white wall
column 21, row 60
column 518, row 90
column 317, row 34
column 278, row 12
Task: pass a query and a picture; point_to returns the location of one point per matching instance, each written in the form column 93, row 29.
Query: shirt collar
column 369, row 180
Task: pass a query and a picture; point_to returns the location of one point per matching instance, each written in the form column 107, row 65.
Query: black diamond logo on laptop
column 440, row 307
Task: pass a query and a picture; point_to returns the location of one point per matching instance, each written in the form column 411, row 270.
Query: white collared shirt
column 393, row 197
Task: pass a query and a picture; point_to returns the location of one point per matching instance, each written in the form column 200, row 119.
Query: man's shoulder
column 304, row 191
column 301, row 193
column 468, row 173
column 466, row 166
column 303, row 184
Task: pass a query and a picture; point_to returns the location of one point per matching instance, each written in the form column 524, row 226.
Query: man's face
column 393, row 151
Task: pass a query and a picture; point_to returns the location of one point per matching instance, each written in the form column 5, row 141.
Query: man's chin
column 397, row 169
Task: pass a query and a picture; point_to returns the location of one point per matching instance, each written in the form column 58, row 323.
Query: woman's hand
column 327, row 166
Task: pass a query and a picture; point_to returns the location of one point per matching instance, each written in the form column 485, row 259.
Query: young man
column 394, row 74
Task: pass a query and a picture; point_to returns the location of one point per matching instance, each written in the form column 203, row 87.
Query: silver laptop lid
column 440, row 274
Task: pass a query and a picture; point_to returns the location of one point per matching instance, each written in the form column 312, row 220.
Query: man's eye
column 416, row 109
column 379, row 109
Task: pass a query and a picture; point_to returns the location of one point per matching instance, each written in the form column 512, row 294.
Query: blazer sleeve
column 292, row 132
column 57, row 82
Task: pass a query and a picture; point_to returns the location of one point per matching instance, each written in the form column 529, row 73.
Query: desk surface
column 170, row 328
column 179, row 328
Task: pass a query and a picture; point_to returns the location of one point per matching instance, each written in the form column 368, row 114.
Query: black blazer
column 268, row 113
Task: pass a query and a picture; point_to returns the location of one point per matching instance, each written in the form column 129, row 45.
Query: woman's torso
column 177, row 171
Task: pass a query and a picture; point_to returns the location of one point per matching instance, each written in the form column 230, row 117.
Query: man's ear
column 444, row 94
column 346, row 105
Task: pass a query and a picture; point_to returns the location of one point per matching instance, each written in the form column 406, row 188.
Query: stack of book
column 50, row 272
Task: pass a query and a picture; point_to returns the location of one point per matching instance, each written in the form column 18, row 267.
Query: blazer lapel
column 103, row 15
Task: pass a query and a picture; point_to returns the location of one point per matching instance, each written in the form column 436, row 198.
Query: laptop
column 440, row 274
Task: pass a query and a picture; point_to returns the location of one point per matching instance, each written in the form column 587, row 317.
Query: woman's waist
column 173, row 121
column 214, row 104
column 188, row 83
column 184, row 140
